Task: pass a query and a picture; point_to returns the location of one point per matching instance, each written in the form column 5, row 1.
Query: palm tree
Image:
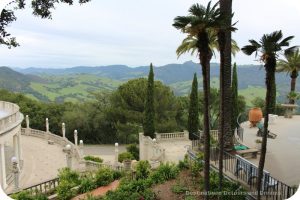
column 196, row 24
column 224, row 38
column 291, row 65
column 269, row 47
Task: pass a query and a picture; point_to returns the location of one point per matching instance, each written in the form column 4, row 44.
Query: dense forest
column 115, row 116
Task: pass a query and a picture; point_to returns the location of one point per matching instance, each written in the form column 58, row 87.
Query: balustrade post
column 47, row 125
column 81, row 148
column 76, row 138
column 27, row 122
column 116, row 154
column 63, row 130
column 69, row 156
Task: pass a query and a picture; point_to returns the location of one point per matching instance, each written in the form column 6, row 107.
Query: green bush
column 164, row 172
column 125, row 156
column 104, row 176
column 25, row 195
column 183, row 164
column 142, row 169
column 117, row 174
column 94, row 159
column 134, row 150
column 68, row 179
column 86, row 184
column 69, row 175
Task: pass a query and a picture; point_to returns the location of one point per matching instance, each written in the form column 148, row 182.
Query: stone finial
column 63, row 127
column 76, row 137
column 27, row 121
column 47, row 125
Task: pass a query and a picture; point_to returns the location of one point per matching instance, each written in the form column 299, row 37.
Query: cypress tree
column 234, row 95
column 148, row 125
column 193, row 118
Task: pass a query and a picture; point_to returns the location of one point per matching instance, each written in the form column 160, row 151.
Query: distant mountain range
column 77, row 83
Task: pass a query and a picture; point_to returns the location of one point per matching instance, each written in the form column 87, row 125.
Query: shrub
column 142, row 169
column 69, row 176
column 117, row 174
column 94, row 159
column 125, row 156
column 64, row 190
column 183, row 164
column 104, row 176
column 134, row 150
column 25, row 195
column 164, row 172
column 86, row 184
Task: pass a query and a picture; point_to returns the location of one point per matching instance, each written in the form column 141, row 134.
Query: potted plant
column 258, row 144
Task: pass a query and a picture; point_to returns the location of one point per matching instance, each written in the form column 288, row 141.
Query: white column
column 20, row 153
column 63, row 130
column 16, row 147
column 27, row 121
column 2, row 166
column 76, row 137
column 116, row 153
column 47, row 125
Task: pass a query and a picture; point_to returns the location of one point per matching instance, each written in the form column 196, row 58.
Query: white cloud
column 132, row 32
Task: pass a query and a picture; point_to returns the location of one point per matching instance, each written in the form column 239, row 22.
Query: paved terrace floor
column 283, row 152
column 41, row 161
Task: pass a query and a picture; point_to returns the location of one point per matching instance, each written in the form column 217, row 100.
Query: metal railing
column 245, row 172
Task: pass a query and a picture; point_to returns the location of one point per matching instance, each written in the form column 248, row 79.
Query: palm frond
column 291, row 50
column 286, row 41
column 249, row 49
column 180, row 22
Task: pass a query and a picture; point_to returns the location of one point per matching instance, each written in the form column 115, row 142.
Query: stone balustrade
column 176, row 135
column 13, row 116
column 62, row 141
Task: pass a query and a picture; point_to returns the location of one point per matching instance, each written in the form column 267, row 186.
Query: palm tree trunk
column 270, row 80
column 294, row 76
column 225, row 133
column 205, row 57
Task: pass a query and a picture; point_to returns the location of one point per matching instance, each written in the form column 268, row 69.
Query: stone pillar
column 16, row 172
column 20, row 153
column 47, row 125
column 63, row 130
column 2, row 166
column 116, row 153
column 27, row 121
column 76, row 137
column 16, row 147
column 141, row 146
column 69, row 156
column 81, row 148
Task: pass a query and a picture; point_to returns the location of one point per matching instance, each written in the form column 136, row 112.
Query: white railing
column 14, row 116
column 50, row 136
column 176, row 135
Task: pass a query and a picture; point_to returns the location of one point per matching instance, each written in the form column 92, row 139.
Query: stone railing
column 52, row 137
column 13, row 116
column 169, row 136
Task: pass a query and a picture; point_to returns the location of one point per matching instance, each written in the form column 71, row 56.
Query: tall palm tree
column 224, row 39
column 269, row 47
column 196, row 24
column 291, row 65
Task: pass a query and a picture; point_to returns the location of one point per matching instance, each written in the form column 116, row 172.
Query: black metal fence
column 239, row 169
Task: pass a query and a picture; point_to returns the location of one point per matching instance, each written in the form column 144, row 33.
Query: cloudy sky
column 132, row 32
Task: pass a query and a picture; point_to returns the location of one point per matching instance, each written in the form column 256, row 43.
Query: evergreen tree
column 148, row 124
column 193, row 118
column 234, row 96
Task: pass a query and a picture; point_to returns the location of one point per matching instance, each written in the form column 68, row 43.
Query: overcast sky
column 132, row 32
